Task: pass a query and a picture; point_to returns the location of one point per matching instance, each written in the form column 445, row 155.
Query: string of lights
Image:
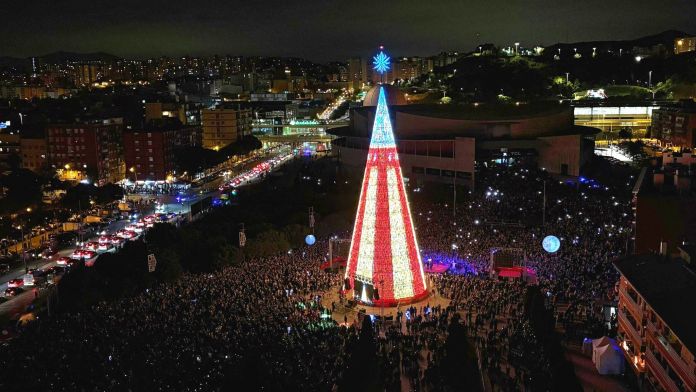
column 384, row 245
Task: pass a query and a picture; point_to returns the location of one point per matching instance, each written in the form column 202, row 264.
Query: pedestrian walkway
column 588, row 376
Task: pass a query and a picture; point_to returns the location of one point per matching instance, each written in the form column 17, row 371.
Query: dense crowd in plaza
column 261, row 325
column 592, row 223
column 196, row 334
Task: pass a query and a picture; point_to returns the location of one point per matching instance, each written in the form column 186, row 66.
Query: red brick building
column 664, row 202
column 150, row 152
column 90, row 149
column 656, row 323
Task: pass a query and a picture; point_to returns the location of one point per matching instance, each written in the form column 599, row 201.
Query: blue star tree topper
column 381, row 62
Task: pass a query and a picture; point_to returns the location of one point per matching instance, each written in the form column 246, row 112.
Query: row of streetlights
column 24, row 252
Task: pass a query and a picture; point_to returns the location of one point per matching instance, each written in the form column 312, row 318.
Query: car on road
column 13, row 291
column 82, row 254
column 92, row 245
column 55, row 270
column 47, row 252
column 134, row 228
column 63, row 260
column 89, row 254
column 64, row 240
column 36, row 272
column 126, row 234
column 106, row 247
column 19, row 282
column 30, row 280
column 54, row 273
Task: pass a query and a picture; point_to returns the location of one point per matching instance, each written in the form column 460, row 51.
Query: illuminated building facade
column 91, row 149
column 442, row 143
column 150, row 151
column 223, row 126
column 684, row 45
column 384, row 265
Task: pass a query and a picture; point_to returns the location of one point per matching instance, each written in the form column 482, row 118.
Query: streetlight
column 517, row 48
column 132, row 170
column 24, row 252
column 650, row 84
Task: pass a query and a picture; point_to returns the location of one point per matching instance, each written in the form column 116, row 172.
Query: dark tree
column 625, row 133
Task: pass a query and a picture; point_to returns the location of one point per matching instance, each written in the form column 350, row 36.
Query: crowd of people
column 262, row 325
column 593, row 224
column 196, row 334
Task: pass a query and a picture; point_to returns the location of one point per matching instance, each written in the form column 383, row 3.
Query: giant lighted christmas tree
column 384, row 253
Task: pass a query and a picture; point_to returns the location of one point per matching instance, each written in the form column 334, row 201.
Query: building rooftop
column 573, row 130
column 683, row 106
column 161, row 124
column 669, row 287
column 482, row 112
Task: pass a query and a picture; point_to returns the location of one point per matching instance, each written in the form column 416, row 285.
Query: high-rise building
column 357, row 71
column 86, row 73
column 222, row 126
column 407, row 68
column 150, row 152
column 87, row 149
column 684, row 45
column 384, row 264
column 34, row 153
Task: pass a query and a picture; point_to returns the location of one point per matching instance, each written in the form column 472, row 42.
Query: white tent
column 607, row 356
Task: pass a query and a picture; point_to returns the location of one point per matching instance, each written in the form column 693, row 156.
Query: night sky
column 323, row 29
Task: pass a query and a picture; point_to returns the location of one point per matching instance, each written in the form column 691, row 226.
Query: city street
column 167, row 204
column 44, row 263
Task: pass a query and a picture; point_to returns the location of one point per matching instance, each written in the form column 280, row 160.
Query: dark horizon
column 324, row 31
